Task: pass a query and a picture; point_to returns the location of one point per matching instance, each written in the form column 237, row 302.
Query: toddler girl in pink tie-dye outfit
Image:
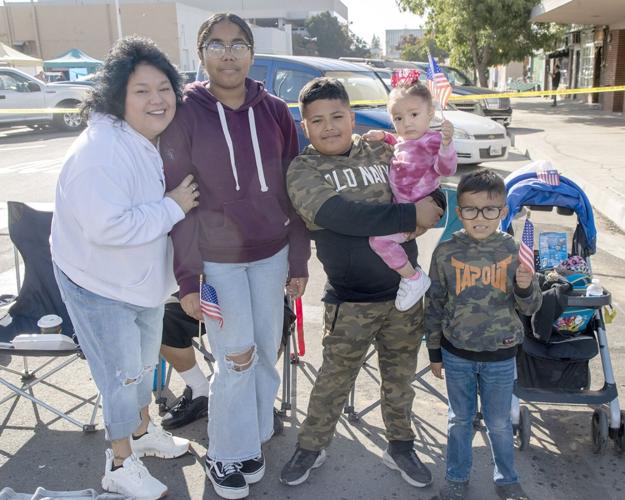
column 422, row 157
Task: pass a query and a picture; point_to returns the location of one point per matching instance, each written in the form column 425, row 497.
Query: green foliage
column 483, row 33
column 416, row 49
column 334, row 39
column 375, row 42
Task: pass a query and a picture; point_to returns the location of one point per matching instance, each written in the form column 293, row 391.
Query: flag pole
column 199, row 323
column 430, row 59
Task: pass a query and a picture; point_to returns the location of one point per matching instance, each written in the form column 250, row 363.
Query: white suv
column 21, row 91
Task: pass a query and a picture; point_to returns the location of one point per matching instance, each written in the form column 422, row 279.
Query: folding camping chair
column 38, row 295
column 448, row 224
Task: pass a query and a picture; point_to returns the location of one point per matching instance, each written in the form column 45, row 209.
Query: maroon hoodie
column 239, row 159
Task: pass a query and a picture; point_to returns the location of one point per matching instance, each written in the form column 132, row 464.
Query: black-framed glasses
column 217, row 49
column 489, row 213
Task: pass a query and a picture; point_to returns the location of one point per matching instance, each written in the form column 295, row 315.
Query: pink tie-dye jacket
column 418, row 165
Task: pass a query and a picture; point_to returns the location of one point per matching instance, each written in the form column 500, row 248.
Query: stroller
column 554, row 368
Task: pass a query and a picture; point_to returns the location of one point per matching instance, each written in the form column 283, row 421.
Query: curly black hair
column 109, row 94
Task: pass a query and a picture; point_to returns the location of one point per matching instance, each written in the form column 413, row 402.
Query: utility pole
column 119, row 19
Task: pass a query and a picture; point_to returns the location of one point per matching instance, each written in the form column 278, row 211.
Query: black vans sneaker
column 400, row 456
column 227, row 479
column 297, row 470
column 253, row 469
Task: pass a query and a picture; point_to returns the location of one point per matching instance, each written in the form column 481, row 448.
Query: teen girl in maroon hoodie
column 237, row 140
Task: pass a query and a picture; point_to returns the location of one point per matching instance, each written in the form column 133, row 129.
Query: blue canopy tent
column 73, row 63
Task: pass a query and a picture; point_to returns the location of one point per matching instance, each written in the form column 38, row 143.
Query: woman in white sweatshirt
column 112, row 255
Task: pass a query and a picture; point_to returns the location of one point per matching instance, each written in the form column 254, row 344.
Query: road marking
column 33, row 167
column 17, row 148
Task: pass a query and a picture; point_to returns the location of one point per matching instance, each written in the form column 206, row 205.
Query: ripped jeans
column 121, row 343
column 246, row 381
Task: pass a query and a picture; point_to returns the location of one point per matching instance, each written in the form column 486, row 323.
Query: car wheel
column 68, row 121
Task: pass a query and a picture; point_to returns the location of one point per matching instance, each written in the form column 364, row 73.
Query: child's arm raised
column 446, row 162
column 527, row 293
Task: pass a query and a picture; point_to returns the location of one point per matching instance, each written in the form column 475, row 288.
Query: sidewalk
column 584, row 143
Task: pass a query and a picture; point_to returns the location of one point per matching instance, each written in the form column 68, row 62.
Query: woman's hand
column 191, row 305
column 185, row 194
column 373, row 135
column 295, row 287
column 447, row 131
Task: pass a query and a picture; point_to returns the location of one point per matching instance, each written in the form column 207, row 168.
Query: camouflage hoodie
column 472, row 303
column 344, row 199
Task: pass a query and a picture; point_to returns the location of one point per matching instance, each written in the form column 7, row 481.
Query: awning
column 557, row 54
column 11, row 57
column 73, row 58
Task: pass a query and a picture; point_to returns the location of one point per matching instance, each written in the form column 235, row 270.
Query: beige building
column 48, row 28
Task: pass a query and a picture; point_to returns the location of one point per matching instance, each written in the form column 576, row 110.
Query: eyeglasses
column 218, row 49
column 489, row 213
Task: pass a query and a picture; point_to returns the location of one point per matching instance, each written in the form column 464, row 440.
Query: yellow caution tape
column 381, row 102
column 38, row 111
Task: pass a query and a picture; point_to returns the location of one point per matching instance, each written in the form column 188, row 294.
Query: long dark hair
column 205, row 30
column 109, row 93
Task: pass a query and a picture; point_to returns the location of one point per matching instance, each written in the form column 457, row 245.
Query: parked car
column 21, row 91
column 476, row 138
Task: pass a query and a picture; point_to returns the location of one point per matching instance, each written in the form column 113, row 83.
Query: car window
column 456, row 77
column 361, row 85
column 12, row 82
column 288, row 82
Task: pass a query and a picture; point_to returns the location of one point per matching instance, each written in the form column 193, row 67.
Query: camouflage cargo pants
column 349, row 330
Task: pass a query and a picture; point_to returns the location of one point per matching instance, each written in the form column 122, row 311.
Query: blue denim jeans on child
column 121, row 342
column 240, row 403
column 493, row 381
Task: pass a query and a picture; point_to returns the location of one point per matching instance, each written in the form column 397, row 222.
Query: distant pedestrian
column 555, row 81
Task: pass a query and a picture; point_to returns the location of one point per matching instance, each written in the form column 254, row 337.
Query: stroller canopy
column 526, row 189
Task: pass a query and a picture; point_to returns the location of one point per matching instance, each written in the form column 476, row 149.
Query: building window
column 587, row 59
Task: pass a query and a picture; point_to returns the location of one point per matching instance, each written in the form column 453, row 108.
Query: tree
column 333, row 38
column 304, row 45
column 376, row 46
column 416, row 49
column 483, row 33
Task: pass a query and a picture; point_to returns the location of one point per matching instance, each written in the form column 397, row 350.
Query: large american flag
column 526, row 250
column 209, row 303
column 437, row 82
column 550, row 177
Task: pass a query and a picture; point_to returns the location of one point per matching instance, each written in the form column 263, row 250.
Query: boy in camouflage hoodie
column 339, row 187
column 473, row 330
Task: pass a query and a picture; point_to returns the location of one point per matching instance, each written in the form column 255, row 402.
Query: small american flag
column 437, row 82
column 209, row 303
column 526, row 250
column 550, row 177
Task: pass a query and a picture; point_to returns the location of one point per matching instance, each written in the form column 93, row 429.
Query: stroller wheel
column 525, row 428
column 599, row 431
column 619, row 440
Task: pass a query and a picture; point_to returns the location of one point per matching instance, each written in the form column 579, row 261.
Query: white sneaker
column 411, row 291
column 159, row 443
column 132, row 479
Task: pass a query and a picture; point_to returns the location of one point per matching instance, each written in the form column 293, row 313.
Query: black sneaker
column 253, row 469
column 511, row 492
column 297, row 470
column 453, row 490
column 187, row 410
column 400, row 456
column 227, row 478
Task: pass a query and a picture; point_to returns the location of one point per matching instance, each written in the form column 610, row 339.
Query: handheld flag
column 437, row 82
column 209, row 304
column 550, row 177
column 526, row 249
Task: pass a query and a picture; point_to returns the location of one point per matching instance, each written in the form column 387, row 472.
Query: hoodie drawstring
column 256, row 147
column 259, row 160
column 224, row 128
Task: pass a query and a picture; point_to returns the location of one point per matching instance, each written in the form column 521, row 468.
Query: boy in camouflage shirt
column 472, row 329
column 339, row 186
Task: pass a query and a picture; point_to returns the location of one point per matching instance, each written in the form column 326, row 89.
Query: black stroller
column 554, row 368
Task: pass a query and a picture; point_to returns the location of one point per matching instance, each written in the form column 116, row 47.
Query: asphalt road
column 44, row 451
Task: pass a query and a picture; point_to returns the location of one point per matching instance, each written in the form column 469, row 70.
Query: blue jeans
column 493, row 381
column 240, row 403
column 121, row 343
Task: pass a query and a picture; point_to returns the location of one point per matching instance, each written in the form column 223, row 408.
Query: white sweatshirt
column 111, row 219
